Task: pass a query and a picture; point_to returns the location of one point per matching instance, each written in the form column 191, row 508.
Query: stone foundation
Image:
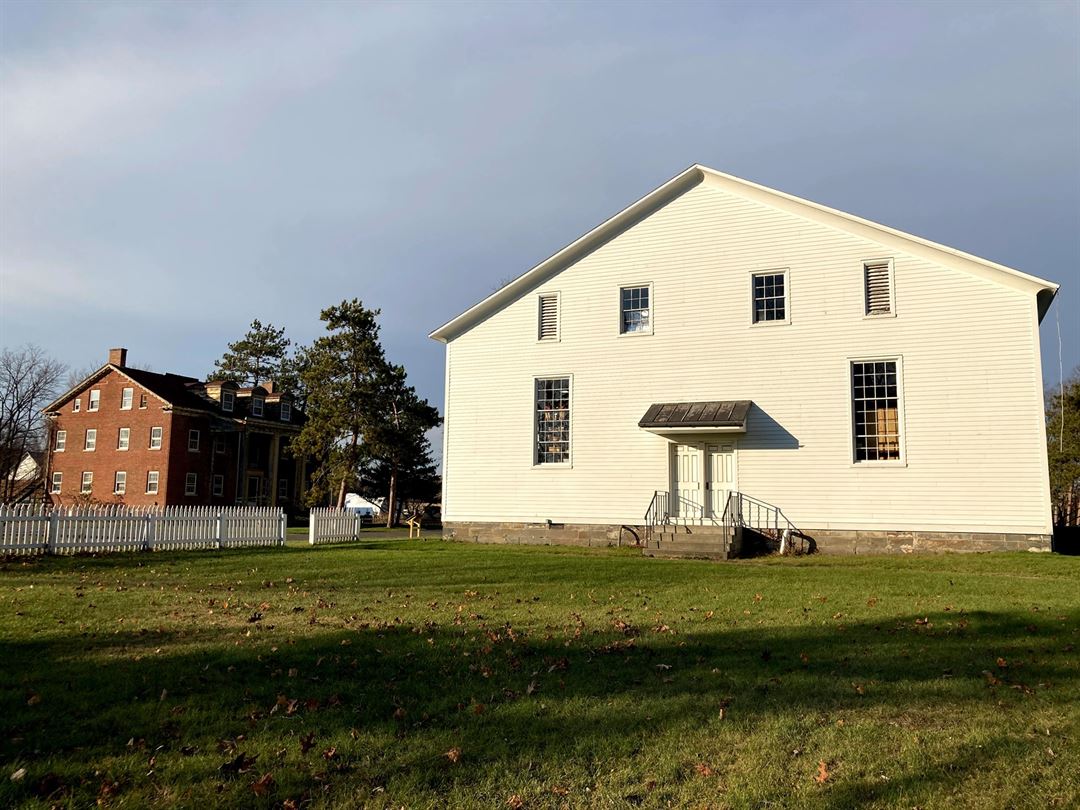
column 825, row 541
column 543, row 534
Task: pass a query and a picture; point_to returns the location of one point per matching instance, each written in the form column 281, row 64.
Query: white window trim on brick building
column 193, row 438
column 191, row 485
column 120, row 482
column 123, row 439
column 156, row 438
column 61, row 441
column 86, row 485
column 57, row 483
column 94, row 403
column 126, row 397
column 90, row 441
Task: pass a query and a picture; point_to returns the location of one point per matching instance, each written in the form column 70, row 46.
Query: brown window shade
column 878, row 288
column 549, row 317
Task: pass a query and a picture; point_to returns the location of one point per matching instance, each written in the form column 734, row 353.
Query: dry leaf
column 454, row 754
column 703, row 769
column 515, row 802
column 823, row 774
column 263, row 785
column 307, row 742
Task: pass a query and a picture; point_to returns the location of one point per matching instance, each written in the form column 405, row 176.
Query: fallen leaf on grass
column 263, row 786
column 330, row 753
column 515, row 802
column 307, row 742
column 241, row 764
column 823, row 774
column 454, row 754
column 703, row 770
column 18, row 775
column 1002, row 663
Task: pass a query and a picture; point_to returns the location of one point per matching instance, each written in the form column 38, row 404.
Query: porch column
column 275, row 450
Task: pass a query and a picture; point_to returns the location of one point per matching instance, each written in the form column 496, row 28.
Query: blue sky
column 170, row 171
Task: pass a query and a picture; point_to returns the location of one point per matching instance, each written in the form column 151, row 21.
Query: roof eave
column 568, row 255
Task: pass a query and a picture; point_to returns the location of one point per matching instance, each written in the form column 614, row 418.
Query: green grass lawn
column 396, row 673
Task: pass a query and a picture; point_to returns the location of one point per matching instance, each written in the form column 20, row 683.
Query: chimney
column 118, row 357
column 268, row 385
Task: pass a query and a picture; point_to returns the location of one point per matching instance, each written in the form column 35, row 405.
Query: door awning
column 727, row 416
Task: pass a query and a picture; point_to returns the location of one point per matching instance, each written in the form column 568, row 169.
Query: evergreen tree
column 260, row 355
column 341, row 375
column 397, row 440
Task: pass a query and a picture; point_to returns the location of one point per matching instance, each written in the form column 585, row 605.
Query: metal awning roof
column 674, row 417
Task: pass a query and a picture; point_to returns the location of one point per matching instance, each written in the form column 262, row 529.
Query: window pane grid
column 634, row 306
column 770, row 301
column 553, row 421
column 876, row 403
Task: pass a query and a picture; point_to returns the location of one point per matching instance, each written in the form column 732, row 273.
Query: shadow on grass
column 557, row 696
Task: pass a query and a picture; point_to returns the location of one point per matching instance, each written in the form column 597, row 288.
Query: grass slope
column 431, row 674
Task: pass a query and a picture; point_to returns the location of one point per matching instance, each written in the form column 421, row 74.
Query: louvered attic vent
column 877, row 282
column 549, row 317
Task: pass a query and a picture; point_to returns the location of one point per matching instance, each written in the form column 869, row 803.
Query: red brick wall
column 106, row 459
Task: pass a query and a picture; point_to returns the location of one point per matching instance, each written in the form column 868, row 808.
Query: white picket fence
column 329, row 525
column 40, row 529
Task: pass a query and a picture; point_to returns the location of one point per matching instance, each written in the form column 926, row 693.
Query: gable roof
column 677, row 186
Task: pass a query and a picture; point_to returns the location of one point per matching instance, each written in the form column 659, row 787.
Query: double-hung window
column 193, row 441
column 875, row 405
column 76, row 406
column 191, row 482
column 152, row 478
column 90, row 442
column 219, row 485
column 125, row 399
column 256, row 406
column 142, row 401
column 57, row 482
column 552, row 404
column 155, row 438
column 120, row 483
column 227, row 400
column 286, row 411
column 87, row 482
column 769, row 294
column 635, row 315
column 61, row 441
column 123, row 440
column 95, row 400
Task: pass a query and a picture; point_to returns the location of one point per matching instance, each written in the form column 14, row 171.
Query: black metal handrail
column 658, row 513
column 746, row 512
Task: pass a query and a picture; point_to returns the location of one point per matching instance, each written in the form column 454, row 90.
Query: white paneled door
column 721, row 477
column 687, row 484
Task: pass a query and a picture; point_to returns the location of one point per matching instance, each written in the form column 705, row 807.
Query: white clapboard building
column 721, row 356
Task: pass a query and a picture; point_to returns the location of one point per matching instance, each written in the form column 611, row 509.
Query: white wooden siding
column 972, row 425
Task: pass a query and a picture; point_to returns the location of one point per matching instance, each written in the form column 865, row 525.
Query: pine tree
column 259, row 356
column 341, row 375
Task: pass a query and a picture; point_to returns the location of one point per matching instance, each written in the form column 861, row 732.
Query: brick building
column 125, row 435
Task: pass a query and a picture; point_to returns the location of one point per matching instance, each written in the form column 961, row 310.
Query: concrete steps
column 700, row 543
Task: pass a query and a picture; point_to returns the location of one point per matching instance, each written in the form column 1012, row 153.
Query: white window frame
column 261, row 402
column 558, row 316
column 94, row 402
column 867, row 316
column 219, row 485
column 160, row 438
column 126, row 398
column 76, row 406
column 901, row 420
column 86, row 483
column 153, row 481
column 61, row 441
column 120, row 482
column 286, row 412
column 228, row 401
column 57, row 483
column 194, row 439
column 619, row 310
column 551, row 465
column 90, row 440
column 191, row 485
column 143, row 399
column 123, row 439
column 775, row 271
